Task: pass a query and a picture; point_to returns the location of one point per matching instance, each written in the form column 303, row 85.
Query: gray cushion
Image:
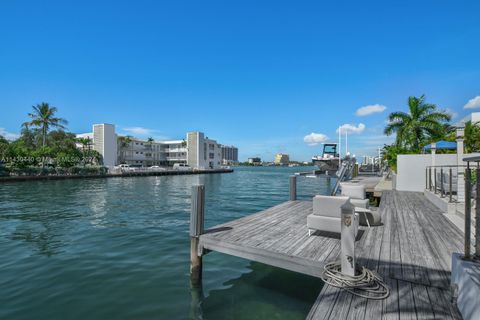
column 357, row 203
column 353, row 190
column 328, row 206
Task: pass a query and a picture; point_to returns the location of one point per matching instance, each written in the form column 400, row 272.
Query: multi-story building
column 255, row 161
column 202, row 151
column 282, row 159
column 229, row 155
column 196, row 150
column 104, row 140
column 145, row 153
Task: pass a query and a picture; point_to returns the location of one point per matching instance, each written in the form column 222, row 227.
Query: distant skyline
column 268, row 77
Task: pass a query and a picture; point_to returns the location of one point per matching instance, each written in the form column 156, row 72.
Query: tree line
column 46, row 147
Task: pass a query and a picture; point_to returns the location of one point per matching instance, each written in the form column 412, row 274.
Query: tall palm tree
column 421, row 122
column 124, row 144
column 43, row 117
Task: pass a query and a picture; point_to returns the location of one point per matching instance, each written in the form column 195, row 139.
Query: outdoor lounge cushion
column 360, row 203
column 326, row 216
column 353, row 190
column 328, row 206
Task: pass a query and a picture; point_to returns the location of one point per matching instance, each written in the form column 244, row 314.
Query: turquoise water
column 119, row 249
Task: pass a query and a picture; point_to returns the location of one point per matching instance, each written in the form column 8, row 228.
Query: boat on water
column 329, row 160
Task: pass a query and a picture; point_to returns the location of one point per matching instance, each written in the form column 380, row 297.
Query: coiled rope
column 365, row 283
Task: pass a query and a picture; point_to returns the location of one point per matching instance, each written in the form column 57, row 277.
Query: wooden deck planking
column 415, row 240
column 411, row 251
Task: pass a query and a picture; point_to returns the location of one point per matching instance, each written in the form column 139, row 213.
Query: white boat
column 329, row 160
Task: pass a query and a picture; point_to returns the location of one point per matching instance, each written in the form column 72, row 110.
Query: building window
column 211, row 155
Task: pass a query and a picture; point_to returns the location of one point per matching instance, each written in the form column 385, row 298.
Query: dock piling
column 293, row 188
column 197, row 217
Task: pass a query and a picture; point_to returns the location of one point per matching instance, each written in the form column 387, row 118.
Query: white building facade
column 197, row 151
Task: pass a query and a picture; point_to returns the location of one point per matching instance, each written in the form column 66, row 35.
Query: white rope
column 365, row 283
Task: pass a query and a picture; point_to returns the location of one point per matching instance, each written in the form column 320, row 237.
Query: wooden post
column 477, row 216
column 468, row 218
column 435, row 180
column 293, row 188
column 197, row 217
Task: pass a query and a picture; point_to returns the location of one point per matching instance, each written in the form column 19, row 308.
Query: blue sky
column 261, row 75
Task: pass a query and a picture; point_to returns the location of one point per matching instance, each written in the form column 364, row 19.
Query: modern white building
column 104, row 140
column 203, row 152
column 196, row 150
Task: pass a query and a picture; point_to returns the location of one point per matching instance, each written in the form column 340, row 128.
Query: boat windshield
column 330, row 149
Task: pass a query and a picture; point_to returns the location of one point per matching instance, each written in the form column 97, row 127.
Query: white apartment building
column 203, row 153
column 104, row 140
column 196, row 150
column 144, row 153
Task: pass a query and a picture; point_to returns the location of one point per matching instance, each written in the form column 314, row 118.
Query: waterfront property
column 411, row 250
column 281, row 159
column 256, row 161
column 229, row 155
column 196, row 150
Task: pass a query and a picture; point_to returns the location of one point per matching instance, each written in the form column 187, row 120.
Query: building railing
column 444, row 180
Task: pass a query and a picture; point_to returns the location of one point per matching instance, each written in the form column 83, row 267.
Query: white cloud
column 473, row 103
column 368, row 110
column 8, row 135
column 313, row 138
column 451, row 112
column 351, row 128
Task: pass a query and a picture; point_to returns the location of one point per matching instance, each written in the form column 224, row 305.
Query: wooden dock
column 411, row 251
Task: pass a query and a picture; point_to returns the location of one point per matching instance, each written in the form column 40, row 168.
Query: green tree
column 472, row 137
column 420, row 124
column 124, row 143
column 43, row 117
column 4, row 145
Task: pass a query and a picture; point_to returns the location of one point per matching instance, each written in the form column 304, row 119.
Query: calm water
column 119, row 249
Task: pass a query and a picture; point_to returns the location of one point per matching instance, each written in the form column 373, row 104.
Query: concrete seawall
column 116, row 175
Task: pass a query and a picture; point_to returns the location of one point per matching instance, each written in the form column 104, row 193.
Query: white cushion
column 328, row 206
column 353, row 190
column 358, row 203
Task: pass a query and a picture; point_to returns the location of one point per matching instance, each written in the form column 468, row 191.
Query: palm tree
column 420, row 123
column 124, row 144
column 86, row 144
column 43, row 117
